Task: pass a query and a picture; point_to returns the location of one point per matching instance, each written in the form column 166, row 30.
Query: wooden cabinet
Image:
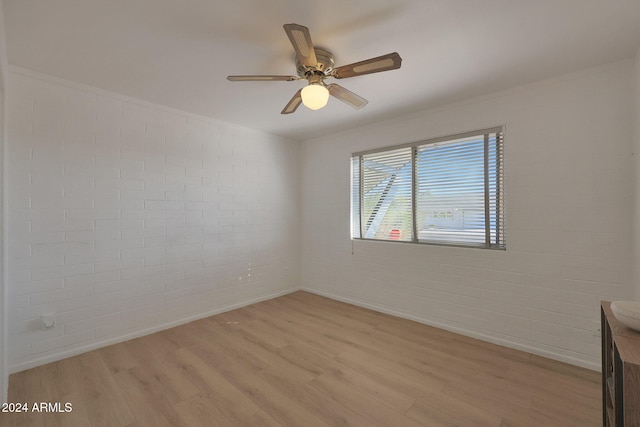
column 620, row 372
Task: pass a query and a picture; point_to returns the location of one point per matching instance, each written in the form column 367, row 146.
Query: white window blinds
column 387, row 198
column 444, row 191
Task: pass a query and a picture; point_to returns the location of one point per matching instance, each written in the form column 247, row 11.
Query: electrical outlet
column 596, row 328
column 48, row 321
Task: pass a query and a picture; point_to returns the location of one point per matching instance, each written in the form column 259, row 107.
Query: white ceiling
column 178, row 52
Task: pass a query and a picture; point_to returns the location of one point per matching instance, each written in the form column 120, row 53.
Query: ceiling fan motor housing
column 324, row 66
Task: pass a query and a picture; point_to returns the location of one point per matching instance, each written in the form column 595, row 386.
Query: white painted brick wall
column 636, row 181
column 125, row 217
column 568, row 144
column 4, row 374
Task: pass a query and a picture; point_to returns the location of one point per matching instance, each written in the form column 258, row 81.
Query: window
column 442, row 191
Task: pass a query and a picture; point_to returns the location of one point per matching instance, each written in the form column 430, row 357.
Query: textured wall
column 636, row 183
column 4, row 371
column 125, row 217
column 4, row 83
column 568, row 216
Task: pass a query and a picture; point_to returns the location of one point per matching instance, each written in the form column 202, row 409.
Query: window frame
column 497, row 243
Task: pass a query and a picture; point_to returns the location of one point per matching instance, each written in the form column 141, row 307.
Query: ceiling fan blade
column 390, row 61
column 301, row 41
column 346, row 96
column 259, row 78
column 293, row 104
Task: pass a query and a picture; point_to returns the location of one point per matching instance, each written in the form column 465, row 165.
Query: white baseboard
column 65, row 353
column 502, row 342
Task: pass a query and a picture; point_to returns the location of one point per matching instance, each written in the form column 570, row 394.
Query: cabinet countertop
column 627, row 340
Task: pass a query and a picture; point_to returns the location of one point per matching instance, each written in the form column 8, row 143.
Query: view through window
column 443, row 191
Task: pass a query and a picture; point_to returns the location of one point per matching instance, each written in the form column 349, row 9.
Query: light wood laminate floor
column 303, row 360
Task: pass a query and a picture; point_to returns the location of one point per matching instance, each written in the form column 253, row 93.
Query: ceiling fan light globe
column 314, row 96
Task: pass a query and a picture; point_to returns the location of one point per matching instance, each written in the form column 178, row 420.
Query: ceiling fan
column 315, row 65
